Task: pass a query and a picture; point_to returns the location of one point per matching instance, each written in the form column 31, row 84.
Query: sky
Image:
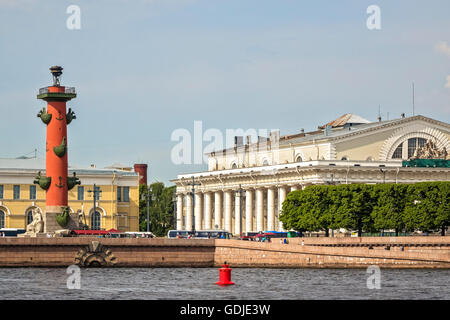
column 145, row 68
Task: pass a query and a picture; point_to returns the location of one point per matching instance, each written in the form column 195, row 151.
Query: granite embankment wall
column 139, row 252
column 418, row 252
column 343, row 253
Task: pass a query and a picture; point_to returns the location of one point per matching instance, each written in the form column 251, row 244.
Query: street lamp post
column 95, row 192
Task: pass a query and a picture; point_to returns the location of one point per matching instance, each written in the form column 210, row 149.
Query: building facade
column 117, row 205
column 245, row 186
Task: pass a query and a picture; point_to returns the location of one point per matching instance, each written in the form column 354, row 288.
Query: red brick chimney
column 141, row 169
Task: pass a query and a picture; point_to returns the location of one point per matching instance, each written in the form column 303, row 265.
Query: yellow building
column 117, row 205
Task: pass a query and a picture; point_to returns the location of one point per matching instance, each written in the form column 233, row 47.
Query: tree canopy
column 161, row 209
column 364, row 207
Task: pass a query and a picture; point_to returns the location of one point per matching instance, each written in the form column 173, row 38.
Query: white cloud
column 443, row 47
column 447, row 85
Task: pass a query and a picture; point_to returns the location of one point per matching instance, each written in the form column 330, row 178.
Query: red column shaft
column 56, row 167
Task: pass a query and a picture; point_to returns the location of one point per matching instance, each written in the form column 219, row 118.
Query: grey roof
column 38, row 164
column 343, row 131
column 334, row 133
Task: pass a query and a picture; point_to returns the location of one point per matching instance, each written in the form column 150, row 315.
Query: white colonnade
column 234, row 210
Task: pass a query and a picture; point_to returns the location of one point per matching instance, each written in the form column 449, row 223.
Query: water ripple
column 199, row 284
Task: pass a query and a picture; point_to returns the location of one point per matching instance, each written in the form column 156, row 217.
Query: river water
column 199, row 283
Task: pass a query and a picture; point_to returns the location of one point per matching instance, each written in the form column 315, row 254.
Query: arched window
column 411, row 144
column 234, row 166
column 2, row 219
column 345, row 158
column 95, row 220
column 265, row 163
column 298, row 159
column 29, row 216
column 398, row 153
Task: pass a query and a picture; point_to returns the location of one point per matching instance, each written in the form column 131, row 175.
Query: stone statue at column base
column 36, row 226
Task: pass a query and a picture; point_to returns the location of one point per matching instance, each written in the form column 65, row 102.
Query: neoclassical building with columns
column 245, row 186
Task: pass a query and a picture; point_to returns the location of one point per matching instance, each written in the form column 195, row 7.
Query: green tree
column 308, row 209
column 289, row 216
column 421, row 206
column 389, row 206
column 354, row 206
column 428, row 206
column 441, row 196
column 161, row 209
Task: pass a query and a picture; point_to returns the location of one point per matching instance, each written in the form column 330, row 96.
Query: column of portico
column 188, row 212
column 260, row 209
column 248, row 210
column 198, row 211
column 270, row 208
column 180, row 211
column 218, row 209
column 208, row 210
column 237, row 213
column 228, row 210
column 281, row 198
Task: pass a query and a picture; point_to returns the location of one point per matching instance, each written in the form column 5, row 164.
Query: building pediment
column 375, row 128
column 380, row 141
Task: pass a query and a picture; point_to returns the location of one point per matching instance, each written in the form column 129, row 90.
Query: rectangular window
column 32, row 192
column 16, row 192
column 1, row 191
column 119, row 194
column 80, row 193
column 122, row 221
column 97, row 193
column 126, row 194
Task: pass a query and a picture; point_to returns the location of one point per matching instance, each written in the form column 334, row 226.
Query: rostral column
column 56, row 181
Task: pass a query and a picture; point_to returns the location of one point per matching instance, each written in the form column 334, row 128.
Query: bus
column 11, row 232
column 275, row 234
column 257, row 236
column 283, row 234
column 132, row 234
column 213, row 234
column 201, row 234
column 173, row 234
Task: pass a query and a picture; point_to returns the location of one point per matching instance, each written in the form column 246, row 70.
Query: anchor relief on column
column 61, row 184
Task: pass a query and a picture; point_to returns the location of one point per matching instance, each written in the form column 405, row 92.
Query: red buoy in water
column 224, row 275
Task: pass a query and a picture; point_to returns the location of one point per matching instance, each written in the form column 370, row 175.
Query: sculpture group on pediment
column 430, row 151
